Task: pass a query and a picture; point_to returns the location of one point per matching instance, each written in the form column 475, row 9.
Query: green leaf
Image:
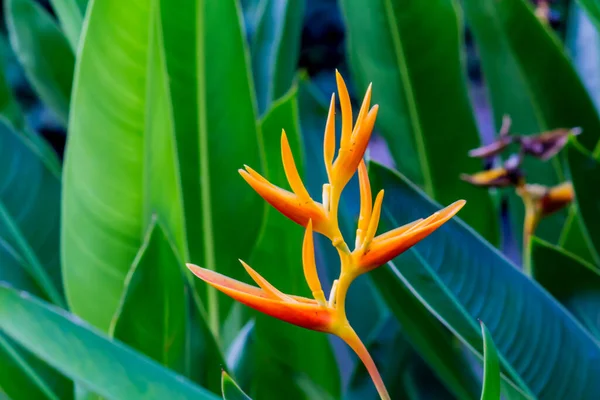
column 584, row 172
column 571, row 280
column 241, row 355
column 215, row 133
column 154, row 325
column 70, row 14
column 9, row 107
column 231, row 391
column 430, row 338
column 462, row 278
column 44, row 53
column 29, row 219
column 276, row 49
column 593, row 9
column 283, row 350
column 516, row 49
column 574, row 237
column 425, row 113
column 491, row 367
column 24, row 377
column 169, row 110
column 106, row 367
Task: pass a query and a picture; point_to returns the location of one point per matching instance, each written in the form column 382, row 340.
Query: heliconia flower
column 297, row 206
column 321, row 313
column 547, row 144
column 508, row 174
column 498, row 146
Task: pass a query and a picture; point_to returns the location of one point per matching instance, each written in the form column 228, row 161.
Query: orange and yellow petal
column 289, row 204
column 497, row 177
column 557, row 197
column 389, row 245
column 305, row 313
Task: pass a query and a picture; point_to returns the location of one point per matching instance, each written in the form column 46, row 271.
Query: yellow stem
column 348, row 335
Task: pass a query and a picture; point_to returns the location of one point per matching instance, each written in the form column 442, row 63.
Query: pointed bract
column 306, row 313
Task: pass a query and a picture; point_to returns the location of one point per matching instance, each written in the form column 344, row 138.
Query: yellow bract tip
column 346, row 110
column 373, row 220
column 291, row 172
column 310, row 266
column 329, row 140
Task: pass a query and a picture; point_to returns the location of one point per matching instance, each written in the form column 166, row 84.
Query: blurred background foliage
column 164, row 99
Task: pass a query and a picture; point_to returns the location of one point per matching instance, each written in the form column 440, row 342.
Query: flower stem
column 348, row 335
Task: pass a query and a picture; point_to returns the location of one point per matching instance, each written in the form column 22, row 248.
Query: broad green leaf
column 284, row 350
column 215, row 133
column 571, row 280
column 29, row 219
column 491, row 367
column 425, row 114
column 362, row 304
column 230, row 389
column 431, row 339
column 276, row 49
column 44, row 53
column 516, row 49
column 584, row 172
column 106, row 367
column 461, row 278
column 152, row 315
column 159, row 98
column 70, row 14
column 593, row 9
column 24, row 377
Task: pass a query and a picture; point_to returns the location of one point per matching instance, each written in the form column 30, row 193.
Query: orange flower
column 321, row 313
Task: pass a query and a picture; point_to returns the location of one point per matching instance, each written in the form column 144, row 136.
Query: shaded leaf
column 106, row 367
column 584, row 172
column 572, row 281
column 425, row 115
column 457, row 271
column 70, row 14
column 276, row 49
column 44, row 53
column 29, row 219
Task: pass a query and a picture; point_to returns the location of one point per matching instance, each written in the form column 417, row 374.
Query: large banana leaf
column 106, row 367
column 572, row 281
column 44, row 53
column 542, row 347
column 516, row 49
column 157, row 128
column 425, row 113
column 282, row 350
